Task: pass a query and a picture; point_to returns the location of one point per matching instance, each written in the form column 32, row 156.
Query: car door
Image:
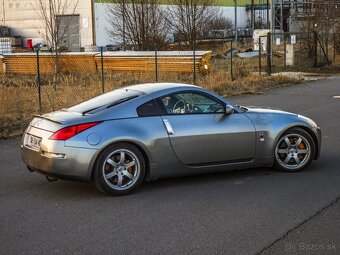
column 201, row 133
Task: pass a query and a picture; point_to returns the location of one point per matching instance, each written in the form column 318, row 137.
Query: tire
column 294, row 151
column 119, row 169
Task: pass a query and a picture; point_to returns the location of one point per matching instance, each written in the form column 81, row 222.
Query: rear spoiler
column 42, row 117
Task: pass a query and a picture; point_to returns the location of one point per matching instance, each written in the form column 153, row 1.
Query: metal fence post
column 38, row 80
column 284, row 51
column 231, row 60
column 156, row 64
column 102, row 69
column 315, row 48
column 269, row 50
column 260, row 57
column 194, row 60
column 334, row 47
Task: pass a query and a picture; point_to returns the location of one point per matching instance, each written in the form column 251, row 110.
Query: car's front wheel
column 119, row 169
column 294, row 151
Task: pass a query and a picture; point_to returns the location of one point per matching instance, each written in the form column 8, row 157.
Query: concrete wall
column 23, row 20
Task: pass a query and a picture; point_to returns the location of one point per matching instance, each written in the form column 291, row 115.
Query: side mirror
column 228, row 109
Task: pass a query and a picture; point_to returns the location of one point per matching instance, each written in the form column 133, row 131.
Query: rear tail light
column 68, row 132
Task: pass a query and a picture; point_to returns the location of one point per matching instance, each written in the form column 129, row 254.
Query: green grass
column 217, row 2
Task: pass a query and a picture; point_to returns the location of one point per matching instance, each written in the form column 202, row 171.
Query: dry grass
column 19, row 94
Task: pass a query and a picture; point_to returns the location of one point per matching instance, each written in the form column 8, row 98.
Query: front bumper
column 75, row 166
column 319, row 141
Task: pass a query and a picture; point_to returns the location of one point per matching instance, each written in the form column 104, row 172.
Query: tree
column 54, row 28
column 219, row 23
column 140, row 23
column 189, row 18
column 322, row 17
column 218, row 27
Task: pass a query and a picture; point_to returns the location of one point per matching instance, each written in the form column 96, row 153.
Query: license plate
column 33, row 142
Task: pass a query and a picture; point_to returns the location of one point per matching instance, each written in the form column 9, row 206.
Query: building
column 22, row 18
column 89, row 20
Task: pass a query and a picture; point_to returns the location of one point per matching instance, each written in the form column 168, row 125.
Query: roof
column 150, row 88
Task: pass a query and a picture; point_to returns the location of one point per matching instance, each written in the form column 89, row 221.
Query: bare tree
column 326, row 20
column 218, row 27
column 322, row 16
column 54, row 33
column 189, row 18
column 220, row 23
column 140, row 23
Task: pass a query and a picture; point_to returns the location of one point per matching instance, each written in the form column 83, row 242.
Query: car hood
column 256, row 113
column 252, row 109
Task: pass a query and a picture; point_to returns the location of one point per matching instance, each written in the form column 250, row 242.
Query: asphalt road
column 256, row 211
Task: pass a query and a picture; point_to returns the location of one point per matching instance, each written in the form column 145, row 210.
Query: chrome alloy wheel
column 293, row 151
column 121, row 169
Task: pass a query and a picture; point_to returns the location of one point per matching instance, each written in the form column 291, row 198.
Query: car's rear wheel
column 119, row 169
column 294, row 151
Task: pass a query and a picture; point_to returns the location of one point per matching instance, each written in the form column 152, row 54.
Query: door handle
column 168, row 127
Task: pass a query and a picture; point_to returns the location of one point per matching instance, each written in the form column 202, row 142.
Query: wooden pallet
column 1, row 65
column 27, row 63
column 167, row 61
column 173, row 61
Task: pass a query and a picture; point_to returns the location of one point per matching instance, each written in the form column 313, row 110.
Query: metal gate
column 68, row 32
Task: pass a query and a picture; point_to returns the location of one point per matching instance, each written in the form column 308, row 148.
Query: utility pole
column 273, row 20
column 268, row 23
column 236, row 32
column 272, row 23
column 281, row 16
column 252, row 16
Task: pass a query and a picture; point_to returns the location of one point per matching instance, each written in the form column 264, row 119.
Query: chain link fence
column 301, row 51
column 39, row 82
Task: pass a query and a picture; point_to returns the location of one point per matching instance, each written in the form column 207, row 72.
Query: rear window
column 105, row 101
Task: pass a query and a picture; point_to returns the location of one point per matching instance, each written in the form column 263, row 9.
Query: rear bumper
column 75, row 166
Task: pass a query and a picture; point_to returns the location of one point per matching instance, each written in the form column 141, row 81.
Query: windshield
column 105, row 101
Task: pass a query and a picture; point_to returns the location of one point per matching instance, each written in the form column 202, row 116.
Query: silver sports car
column 152, row 131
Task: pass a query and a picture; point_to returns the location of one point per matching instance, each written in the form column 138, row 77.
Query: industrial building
column 22, row 19
column 90, row 19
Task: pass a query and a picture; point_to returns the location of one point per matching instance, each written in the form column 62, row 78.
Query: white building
column 89, row 21
column 101, row 17
column 22, row 17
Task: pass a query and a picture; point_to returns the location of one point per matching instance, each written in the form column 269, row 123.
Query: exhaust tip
column 30, row 169
column 51, row 179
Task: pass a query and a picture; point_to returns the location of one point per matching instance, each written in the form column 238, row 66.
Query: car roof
column 151, row 88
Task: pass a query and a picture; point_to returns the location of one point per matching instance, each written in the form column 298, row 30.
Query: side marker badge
column 261, row 137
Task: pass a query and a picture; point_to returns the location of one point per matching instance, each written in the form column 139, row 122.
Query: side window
column 148, row 109
column 191, row 103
